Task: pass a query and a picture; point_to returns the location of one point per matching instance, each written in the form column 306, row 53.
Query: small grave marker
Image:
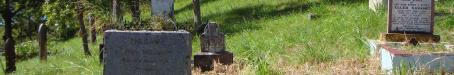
column 212, row 40
column 213, row 49
column 42, row 39
column 147, row 53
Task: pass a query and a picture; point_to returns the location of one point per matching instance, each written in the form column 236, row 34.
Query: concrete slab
column 393, row 59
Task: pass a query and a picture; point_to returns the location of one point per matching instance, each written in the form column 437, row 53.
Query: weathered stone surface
column 42, row 39
column 147, row 53
column 205, row 60
column 163, row 8
column 411, row 16
column 212, row 40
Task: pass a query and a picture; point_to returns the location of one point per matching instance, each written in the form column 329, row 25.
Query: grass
column 267, row 37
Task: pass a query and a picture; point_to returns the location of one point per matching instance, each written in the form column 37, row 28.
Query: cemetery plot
column 395, row 57
column 410, row 42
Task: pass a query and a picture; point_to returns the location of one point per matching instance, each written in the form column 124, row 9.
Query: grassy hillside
column 268, row 37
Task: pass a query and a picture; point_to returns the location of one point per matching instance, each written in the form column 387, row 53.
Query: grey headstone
column 163, row 8
column 212, row 40
column 147, row 52
column 411, row 16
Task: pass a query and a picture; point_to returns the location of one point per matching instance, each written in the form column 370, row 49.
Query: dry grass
column 340, row 67
column 233, row 69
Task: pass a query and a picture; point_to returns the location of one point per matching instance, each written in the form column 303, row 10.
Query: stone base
column 396, row 37
column 205, row 60
column 392, row 59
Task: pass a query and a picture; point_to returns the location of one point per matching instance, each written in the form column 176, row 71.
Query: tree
column 83, row 31
column 197, row 19
column 14, row 9
column 8, row 38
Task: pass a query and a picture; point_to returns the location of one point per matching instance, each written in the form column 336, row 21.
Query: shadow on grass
column 344, row 1
column 189, row 7
column 241, row 17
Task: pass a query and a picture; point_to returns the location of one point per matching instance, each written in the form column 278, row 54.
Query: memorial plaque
column 411, row 16
column 147, row 53
column 162, row 8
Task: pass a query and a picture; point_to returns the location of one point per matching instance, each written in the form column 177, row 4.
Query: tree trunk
column 83, row 31
column 135, row 12
column 197, row 18
column 8, row 38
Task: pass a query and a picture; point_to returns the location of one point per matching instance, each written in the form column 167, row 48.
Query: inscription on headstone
column 147, row 52
column 411, row 16
column 162, row 8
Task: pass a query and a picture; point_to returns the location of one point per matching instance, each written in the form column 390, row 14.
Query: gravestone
column 163, row 8
column 42, row 39
column 410, row 19
column 411, row 16
column 377, row 4
column 212, row 40
column 147, row 52
column 213, row 49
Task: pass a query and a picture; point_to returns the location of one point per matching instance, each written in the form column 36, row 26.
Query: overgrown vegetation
column 266, row 36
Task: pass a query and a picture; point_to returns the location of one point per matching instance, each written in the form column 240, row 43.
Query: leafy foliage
column 61, row 16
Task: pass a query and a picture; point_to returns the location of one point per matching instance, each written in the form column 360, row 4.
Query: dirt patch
column 233, row 69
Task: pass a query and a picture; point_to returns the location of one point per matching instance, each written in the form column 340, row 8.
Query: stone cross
column 42, row 39
column 212, row 40
column 163, row 8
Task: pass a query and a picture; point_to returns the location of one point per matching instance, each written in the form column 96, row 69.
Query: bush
column 62, row 32
column 153, row 23
column 27, row 49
